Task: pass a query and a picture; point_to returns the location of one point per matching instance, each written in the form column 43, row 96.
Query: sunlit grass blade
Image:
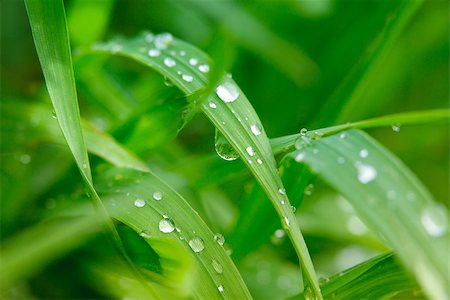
column 379, row 278
column 286, row 143
column 389, row 199
column 159, row 214
column 230, row 112
column 347, row 96
column 50, row 240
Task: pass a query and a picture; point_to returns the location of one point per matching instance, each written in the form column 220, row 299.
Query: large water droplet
column 212, row 104
column 219, row 239
column 157, row 196
column 203, row 68
column 250, row 150
column 166, row 225
column 139, row 203
column 220, row 288
column 434, row 219
column 366, row 173
column 224, row 148
column 259, row 161
column 163, row 40
column 154, row 52
column 282, row 191
column 256, row 129
column 303, row 131
column 196, row 244
column 170, row 62
column 217, row 266
column 300, row 157
column 227, row 92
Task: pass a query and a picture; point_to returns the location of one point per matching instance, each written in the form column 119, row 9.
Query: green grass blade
column 158, row 204
column 231, row 113
column 378, row 278
column 389, row 198
column 49, row 28
column 51, row 240
column 348, row 95
column 286, row 143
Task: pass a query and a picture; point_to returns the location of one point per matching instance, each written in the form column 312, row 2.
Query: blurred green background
column 302, row 64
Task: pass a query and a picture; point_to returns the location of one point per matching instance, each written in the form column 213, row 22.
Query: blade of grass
column 378, row 278
column 348, row 95
column 389, row 199
column 50, row 34
column 287, row 143
column 230, row 112
column 150, row 207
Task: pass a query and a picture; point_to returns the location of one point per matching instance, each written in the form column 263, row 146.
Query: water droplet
column 227, row 92
column 323, row 280
column 303, row 131
column 396, row 127
column 277, row 237
column 196, row 244
column 217, row 266
column 203, row 68
column 25, row 159
column 166, row 225
column 309, row 294
column 259, row 161
column 343, row 135
column 366, row 173
column 316, row 135
column 300, row 157
column 154, row 52
column 170, row 62
column 212, row 104
column 220, row 288
column 286, row 221
column 182, row 53
column 250, row 150
column 219, row 239
column 193, row 61
column 145, row 234
column 356, row 226
column 256, row 129
column 282, row 191
column 434, row 219
column 149, row 37
column 163, row 40
column 157, row 196
column 116, row 48
column 224, row 148
column 309, row 189
column 293, row 208
column 187, row 78
column 139, row 202
column 363, row 153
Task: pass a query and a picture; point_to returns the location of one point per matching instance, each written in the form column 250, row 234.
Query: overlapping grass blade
column 162, row 218
column 378, row 278
column 389, row 199
column 229, row 111
column 287, row 143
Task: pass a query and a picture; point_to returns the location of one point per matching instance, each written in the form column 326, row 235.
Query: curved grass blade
column 378, row 278
column 389, row 199
column 287, row 143
column 150, row 207
column 230, row 112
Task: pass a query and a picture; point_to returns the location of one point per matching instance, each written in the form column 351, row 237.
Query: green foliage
column 146, row 218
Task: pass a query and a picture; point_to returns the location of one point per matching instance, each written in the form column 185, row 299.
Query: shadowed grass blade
column 228, row 109
column 389, row 199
